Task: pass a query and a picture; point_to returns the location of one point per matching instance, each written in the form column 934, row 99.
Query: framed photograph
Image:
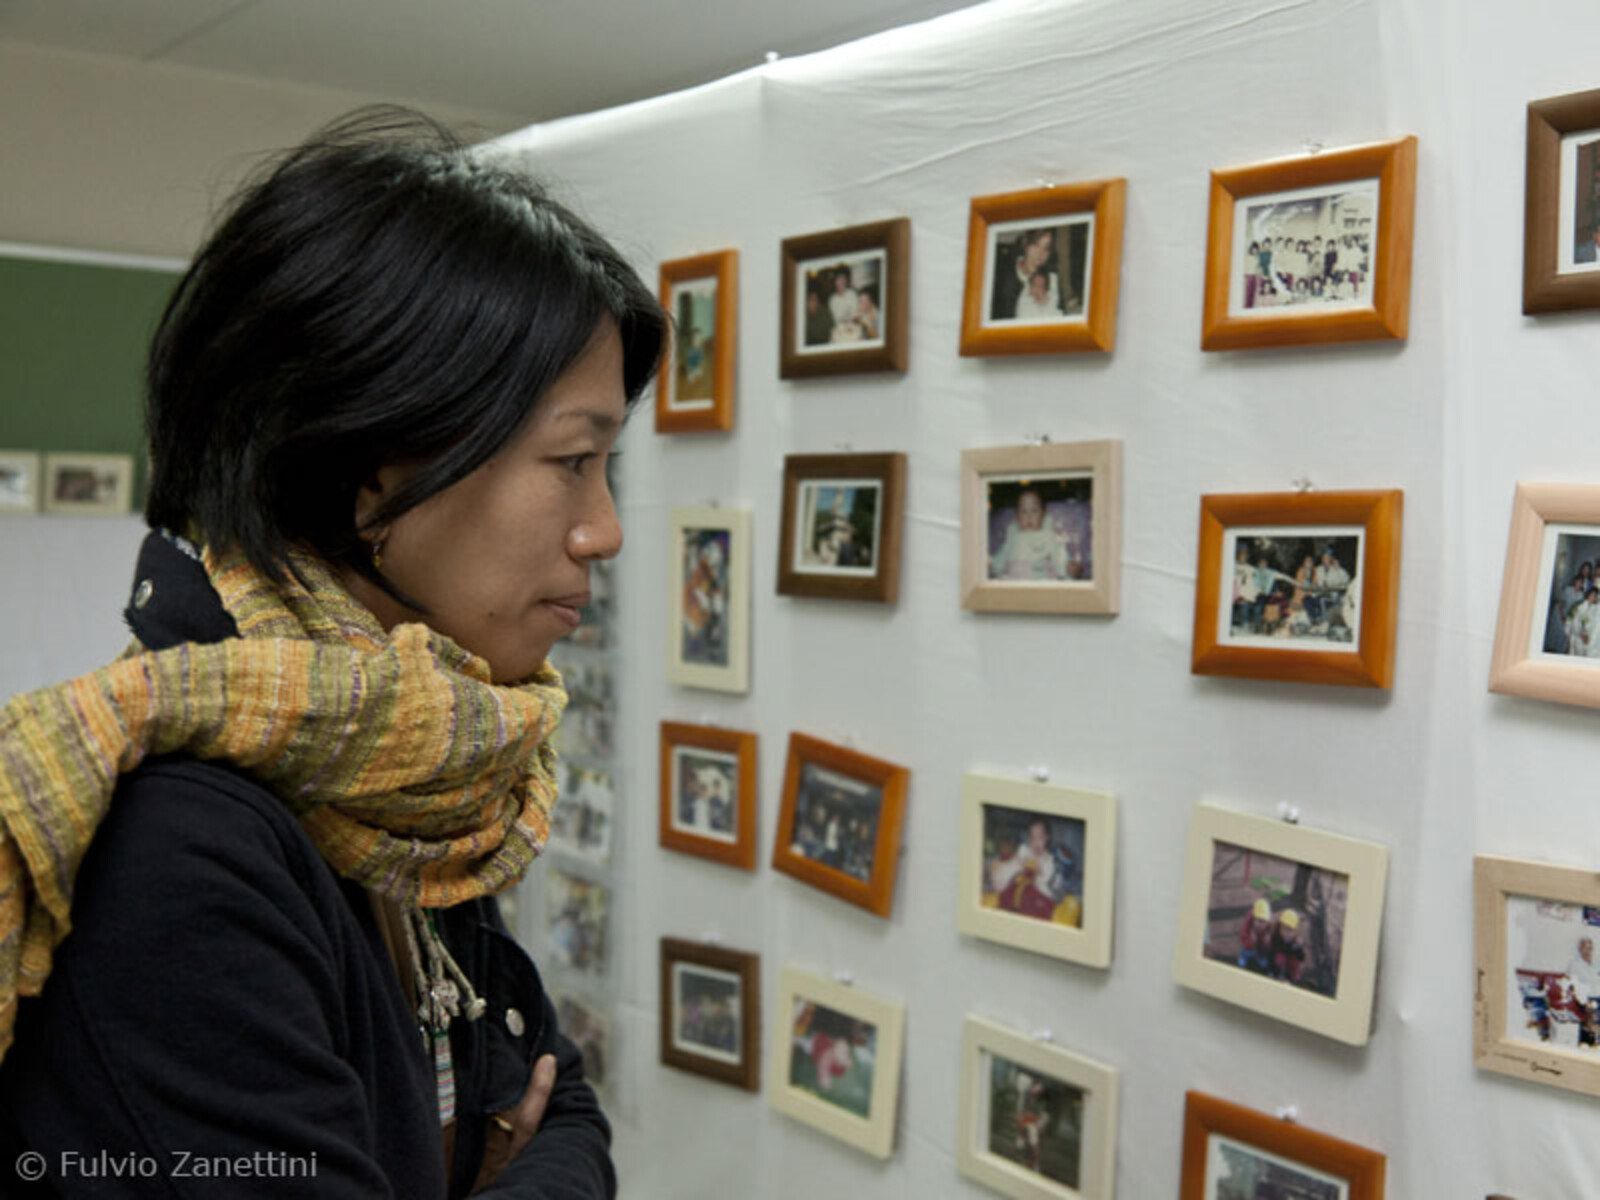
column 588, row 1025
column 1537, row 1002
column 1311, row 249
column 841, row 525
column 1038, row 867
column 694, row 390
column 586, row 730
column 844, row 300
column 1042, row 270
column 836, row 1059
column 1283, row 920
column 708, row 645
column 88, row 484
column 19, row 481
column 708, row 792
column 1561, row 211
column 1235, row 1153
column 581, row 821
column 1547, row 640
column 1041, row 528
column 1301, row 586
column 1037, row 1122
column 578, row 920
column 839, row 828
column 711, row 1012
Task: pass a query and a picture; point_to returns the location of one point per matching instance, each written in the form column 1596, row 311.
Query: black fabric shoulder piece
column 172, row 600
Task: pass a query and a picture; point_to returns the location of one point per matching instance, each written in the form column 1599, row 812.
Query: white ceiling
column 529, row 59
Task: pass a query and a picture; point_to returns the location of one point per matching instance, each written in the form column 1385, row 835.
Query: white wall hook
column 711, row 938
column 1043, row 1035
column 1040, row 773
column 1303, row 485
column 844, row 977
column 1289, row 1113
column 1289, row 813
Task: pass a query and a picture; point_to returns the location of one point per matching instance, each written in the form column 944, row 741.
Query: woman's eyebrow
column 602, row 422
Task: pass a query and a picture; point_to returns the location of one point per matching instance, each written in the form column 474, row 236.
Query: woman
column 380, row 406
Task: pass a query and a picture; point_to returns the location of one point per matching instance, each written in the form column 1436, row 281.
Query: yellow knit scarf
column 412, row 773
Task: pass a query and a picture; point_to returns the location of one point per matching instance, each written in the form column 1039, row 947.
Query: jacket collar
column 172, row 601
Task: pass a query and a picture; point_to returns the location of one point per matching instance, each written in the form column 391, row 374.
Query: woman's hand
column 513, row 1128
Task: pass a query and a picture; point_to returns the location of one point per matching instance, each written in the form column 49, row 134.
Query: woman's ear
column 370, row 496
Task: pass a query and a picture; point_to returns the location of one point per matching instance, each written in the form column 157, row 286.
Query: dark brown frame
column 876, row 894
column 894, row 238
column 1543, row 289
column 742, row 852
column 723, row 265
column 1205, row 1115
column 746, row 1073
column 886, row 470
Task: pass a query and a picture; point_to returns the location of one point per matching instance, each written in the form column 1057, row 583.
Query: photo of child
column 1041, row 527
column 1277, row 918
column 833, row 1056
column 1033, row 864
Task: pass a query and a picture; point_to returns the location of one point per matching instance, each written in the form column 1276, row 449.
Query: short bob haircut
column 379, row 295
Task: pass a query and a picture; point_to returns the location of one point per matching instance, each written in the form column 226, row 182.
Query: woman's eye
column 576, row 462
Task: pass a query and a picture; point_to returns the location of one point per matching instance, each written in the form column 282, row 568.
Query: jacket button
column 142, row 593
column 515, row 1023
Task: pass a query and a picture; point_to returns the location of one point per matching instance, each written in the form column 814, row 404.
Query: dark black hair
column 378, row 295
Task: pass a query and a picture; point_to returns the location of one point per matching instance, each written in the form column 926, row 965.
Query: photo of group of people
column 578, row 912
column 836, row 821
column 1290, row 589
column 1033, row 864
column 1554, row 984
column 580, row 822
column 1581, row 190
column 705, row 793
column 833, row 1056
column 1035, row 1121
column 1239, row 1172
column 694, row 310
column 1274, row 917
column 838, row 532
column 1308, row 249
column 843, row 304
column 1572, row 622
column 1041, row 527
column 705, row 602
column 1038, row 270
column 707, row 1006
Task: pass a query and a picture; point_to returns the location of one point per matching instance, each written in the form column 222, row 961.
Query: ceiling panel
column 134, row 28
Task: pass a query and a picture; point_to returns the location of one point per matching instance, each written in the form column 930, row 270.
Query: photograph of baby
column 704, row 636
column 1273, row 917
column 694, row 312
column 1292, row 588
column 1038, row 270
column 1235, row 1171
column 838, row 532
column 832, row 1056
column 589, row 1029
column 1035, row 1121
column 1571, row 627
column 577, row 915
column 1033, row 864
column 707, row 1010
column 580, row 823
column 1553, row 974
column 842, row 303
column 1310, row 249
column 1041, row 527
column 1580, row 202
column 836, row 821
column 705, row 793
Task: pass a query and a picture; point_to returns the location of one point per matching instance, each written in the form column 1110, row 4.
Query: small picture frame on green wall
column 88, row 484
column 19, row 481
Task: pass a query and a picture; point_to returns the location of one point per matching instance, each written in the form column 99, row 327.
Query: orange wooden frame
column 875, row 894
column 1543, row 289
column 1394, row 165
column 1203, row 1115
column 1378, row 512
column 741, row 852
column 746, row 1073
column 1107, row 200
column 723, row 266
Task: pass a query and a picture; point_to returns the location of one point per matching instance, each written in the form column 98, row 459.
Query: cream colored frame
column 32, row 462
column 1512, row 669
column 1493, row 880
column 1089, row 944
column 1097, row 1158
column 735, row 677
column 117, row 505
column 1103, row 593
column 875, row 1134
column 1347, row 1015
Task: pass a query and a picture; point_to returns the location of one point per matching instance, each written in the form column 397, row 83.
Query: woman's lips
column 569, row 609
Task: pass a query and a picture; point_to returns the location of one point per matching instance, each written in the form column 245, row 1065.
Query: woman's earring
column 377, row 554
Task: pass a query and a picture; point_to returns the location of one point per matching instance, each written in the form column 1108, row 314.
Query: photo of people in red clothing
column 1035, row 1121
column 1033, row 864
column 833, row 1057
column 1275, row 917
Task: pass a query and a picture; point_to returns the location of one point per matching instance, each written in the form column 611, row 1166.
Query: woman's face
column 501, row 558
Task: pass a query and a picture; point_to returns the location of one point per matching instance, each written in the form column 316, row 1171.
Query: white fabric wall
column 1160, row 91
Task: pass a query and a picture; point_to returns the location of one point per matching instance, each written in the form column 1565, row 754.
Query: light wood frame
column 1346, row 1016
column 1544, row 287
column 1101, row 594
column 1090, row 942
column 874, row 1133
column 1097, row 1161
column 876, row 893
column 1494, row 880
column 1394, row 165
column 735, row 676
column 893, row 237
column 1204, row 1116
column 31, row 464
column 888, row 471
column 1514, row 669
column 1371, row 664
column 741, row 852
column 122, row 494
column 717, row 416
column 745, row 1070
column 1106, row 199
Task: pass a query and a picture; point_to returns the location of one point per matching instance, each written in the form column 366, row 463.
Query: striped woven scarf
column 413, row 774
